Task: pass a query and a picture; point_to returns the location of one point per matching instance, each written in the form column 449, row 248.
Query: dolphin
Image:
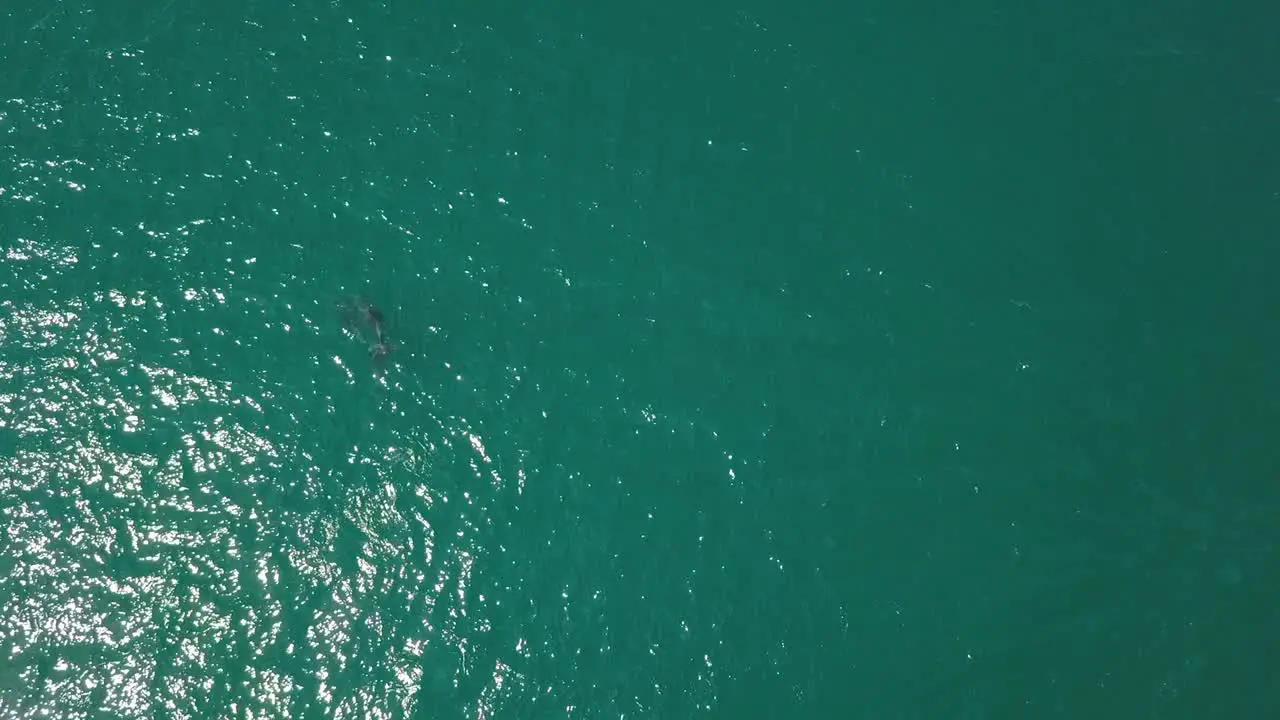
column 363, row 318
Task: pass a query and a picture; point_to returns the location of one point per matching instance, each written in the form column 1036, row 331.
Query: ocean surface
column 813, row 361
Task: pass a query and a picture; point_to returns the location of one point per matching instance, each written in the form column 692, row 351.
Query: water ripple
column 166, row 526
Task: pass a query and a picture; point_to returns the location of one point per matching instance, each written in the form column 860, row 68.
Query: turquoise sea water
column 768, row 362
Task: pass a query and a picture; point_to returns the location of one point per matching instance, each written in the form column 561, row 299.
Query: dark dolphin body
column 365, row 321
